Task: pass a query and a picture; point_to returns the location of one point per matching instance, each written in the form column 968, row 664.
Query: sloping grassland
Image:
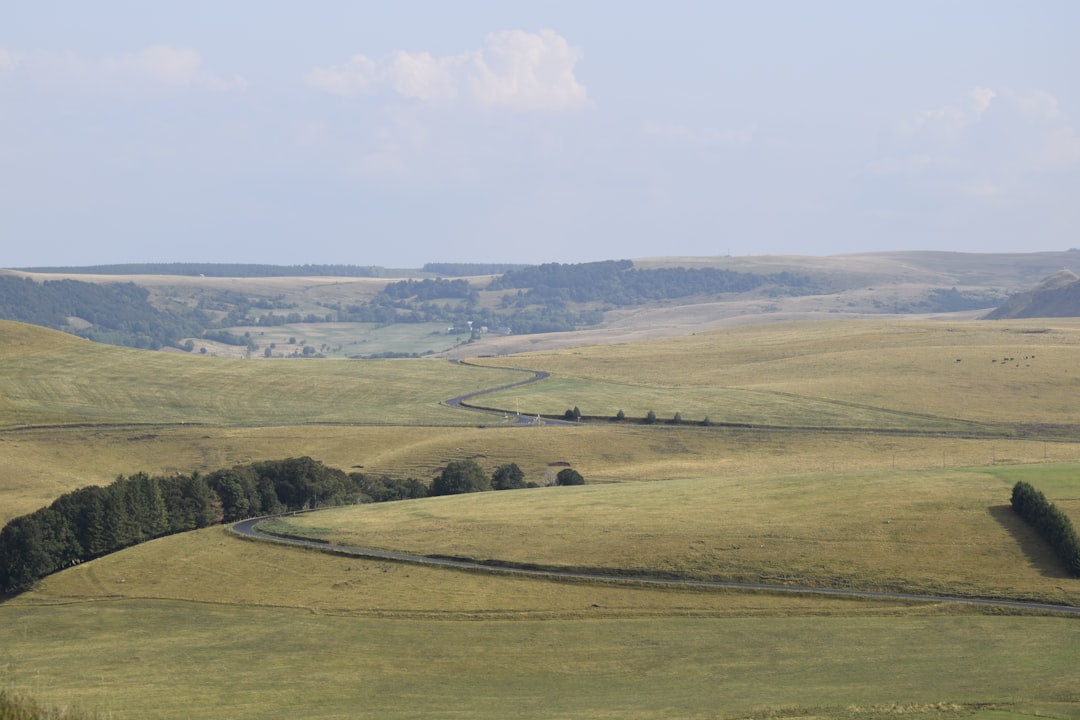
column 207, row 625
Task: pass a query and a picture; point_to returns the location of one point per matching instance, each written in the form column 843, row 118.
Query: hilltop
column 1056, row 296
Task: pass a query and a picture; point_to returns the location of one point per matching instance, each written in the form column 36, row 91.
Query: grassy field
column 925, row 376
column 60, row 379
column 351, row 339
column 205, row 625
column 38, row 465
column 208, row 625
column 262, row 662
column 937, row 531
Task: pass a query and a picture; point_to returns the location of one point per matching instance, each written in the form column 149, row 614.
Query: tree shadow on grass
column 1039, row 555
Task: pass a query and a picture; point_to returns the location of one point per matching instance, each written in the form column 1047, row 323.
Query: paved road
column 462, row 401
column 248, row 529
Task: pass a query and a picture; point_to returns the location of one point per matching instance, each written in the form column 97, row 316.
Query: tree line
column 619, row 283
column 1051, row 524
column 94, row 521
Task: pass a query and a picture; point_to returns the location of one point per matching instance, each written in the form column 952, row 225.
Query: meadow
column 971, row 377
column 908, row 490
column 50, row 378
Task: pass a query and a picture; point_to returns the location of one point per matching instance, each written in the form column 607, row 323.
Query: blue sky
column 409, row 132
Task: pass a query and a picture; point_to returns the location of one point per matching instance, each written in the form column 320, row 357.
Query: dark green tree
column 507, row 477
column 620, row 416
column 386, row 489
column 460, row 476
column 650, row 418
column 569, row 476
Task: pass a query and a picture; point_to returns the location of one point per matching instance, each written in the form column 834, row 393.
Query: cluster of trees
column 466, row 476
column 429, row 289
column 619, row 283
column 117, row 313
column 1049, row 522
column 574, row 415
column 94, row 521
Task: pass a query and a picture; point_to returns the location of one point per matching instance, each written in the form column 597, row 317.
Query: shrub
column 569, row 476
column 507, row 477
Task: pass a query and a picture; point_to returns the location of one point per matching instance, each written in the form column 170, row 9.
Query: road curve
column 461, row 401
column 248, row 529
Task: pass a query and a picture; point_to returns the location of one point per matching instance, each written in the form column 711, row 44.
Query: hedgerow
column 1049, row 522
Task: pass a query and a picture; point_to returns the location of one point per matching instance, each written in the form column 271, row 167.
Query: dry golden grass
column 49, row 378
column 931, row 531
column 213, row 566
column 923, row 375
column 36, row 466
column 207, row 625
column 164, row 660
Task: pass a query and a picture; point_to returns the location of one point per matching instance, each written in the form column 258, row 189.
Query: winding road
column 461, row 401
column 249, row 529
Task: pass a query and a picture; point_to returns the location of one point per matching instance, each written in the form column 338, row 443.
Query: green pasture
column 982, row 377
column 205, row 624
column 260, row 662
column 208, row 625
column 947, row 532
column 340, row 340
column 38, row 465
column 66, row 381
column 167, row 659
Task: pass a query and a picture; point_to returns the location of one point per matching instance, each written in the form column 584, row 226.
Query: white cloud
column 1040, row 104
column 953, row 118
column 514, row 69
column 996, row 153
column 423, row 76
column 528, row 71
column 154, row 67
column 980, row 99
column 159, row 64
column 353, row 78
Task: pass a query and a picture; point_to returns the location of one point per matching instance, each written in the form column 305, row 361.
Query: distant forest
column 116, row 313
column 521, row 299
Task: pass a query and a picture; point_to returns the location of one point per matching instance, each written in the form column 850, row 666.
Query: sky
column 401, row 133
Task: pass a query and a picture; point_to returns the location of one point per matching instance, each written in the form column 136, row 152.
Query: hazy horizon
column 396, row 135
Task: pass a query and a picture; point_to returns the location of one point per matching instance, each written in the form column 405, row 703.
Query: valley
column 857, row 451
